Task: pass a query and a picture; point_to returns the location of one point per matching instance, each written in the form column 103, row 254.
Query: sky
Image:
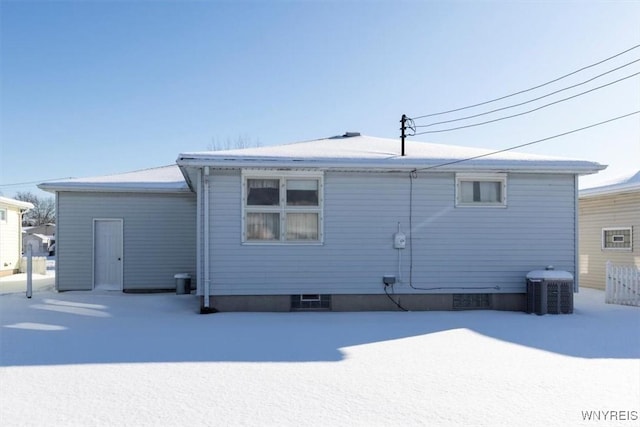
column 113, row 359
column 102, row 87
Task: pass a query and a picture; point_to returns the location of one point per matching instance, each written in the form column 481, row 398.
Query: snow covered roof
column 40, row 237
column 163, row 179
column 622, row 184
column 357, row 152
column 15, row 203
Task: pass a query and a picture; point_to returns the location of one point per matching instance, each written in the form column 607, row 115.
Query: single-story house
column 11, row 212
column 39, row 243
column 341, row 223
column 609, row 224
column 44, row 229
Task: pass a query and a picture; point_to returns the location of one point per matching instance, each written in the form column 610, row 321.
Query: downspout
column 57, row 234
column 576, row 225
column 199, row 233
column 206, row 261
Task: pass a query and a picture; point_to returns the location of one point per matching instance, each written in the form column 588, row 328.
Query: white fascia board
column 15, row 203
column 110, row 188
column 618, row 189
column 572, row 167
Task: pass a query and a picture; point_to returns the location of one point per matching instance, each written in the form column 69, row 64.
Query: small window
column 282, row 207
column 3, row 215
column 481, row 190
column 617, row 238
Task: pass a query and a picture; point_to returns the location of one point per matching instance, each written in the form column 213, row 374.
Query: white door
column 107, row 254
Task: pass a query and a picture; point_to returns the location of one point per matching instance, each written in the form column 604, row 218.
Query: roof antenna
column 403, row 128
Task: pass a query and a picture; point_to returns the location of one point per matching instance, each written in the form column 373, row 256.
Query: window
column 481, row 190
column 617, row 238
column 282, row 208
column 3, row 215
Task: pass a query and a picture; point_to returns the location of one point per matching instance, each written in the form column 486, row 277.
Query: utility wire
column 526, row 102
column 530, row 89
column 525, row 112
column 528, row 143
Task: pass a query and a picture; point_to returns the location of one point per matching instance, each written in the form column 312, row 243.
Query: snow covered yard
column 103, row 359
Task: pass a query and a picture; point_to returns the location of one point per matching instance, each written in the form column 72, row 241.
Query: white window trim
column 602, row 239
column 5, row 216
column 283, row 209
column 488, row 177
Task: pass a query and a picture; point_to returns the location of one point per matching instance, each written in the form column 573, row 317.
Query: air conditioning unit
column 549, row 292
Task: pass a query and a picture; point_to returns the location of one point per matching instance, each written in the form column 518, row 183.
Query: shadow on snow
column 80, row 327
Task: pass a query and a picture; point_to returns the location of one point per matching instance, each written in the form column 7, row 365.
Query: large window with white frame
column 481, row 189
column 618, row 238
column 282, row 207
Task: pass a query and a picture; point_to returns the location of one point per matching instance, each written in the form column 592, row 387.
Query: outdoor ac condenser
column 549, row 292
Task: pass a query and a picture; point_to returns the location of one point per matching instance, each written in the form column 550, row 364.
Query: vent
column 346, row 135
column 310, row 302
column 470, row 301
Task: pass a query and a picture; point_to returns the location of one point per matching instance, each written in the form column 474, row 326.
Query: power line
column 530, row 89
column 531, row 100
column 528, row 143
column 524, row 112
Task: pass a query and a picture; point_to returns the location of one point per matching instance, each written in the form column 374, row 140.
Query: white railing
column 623, row 284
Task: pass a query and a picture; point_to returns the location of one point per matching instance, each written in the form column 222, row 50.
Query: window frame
column 621, row 229
column 282, row 209
column 4, row 215
column 481, row 177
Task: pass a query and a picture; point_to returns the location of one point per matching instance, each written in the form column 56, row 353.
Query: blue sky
column 100, row 87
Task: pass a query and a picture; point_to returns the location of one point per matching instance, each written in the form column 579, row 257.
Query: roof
column 39, row 236
column 15, row 203
column 366, row 153
column 163, row 179
column 623, row 184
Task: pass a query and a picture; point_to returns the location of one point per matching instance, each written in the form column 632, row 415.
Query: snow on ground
column 111, row 359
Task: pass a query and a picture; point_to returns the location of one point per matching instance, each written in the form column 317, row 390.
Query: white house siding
column 159, row 237
column 453, row 248
column 10, row 238
column 604, row 211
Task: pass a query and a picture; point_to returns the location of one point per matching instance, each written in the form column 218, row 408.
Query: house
column 341, row 223
column 609, row 224
column 348, row 223
column 11, row 212
column 44, row 229
column 41, row 238
column 39, row 243
column 129, row 232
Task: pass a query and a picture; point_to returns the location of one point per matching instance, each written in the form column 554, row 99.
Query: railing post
column 29, row 272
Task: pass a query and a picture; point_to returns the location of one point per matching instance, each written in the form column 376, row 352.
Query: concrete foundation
column 339, row 302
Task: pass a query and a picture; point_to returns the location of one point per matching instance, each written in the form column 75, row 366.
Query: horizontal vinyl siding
column 10, row 236
column 159, row 237
column 601, row 212
column 452, row 247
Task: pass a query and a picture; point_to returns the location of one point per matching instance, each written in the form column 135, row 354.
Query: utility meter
column 399, row 240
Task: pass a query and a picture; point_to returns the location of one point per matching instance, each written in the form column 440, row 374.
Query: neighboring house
column 130, row 232
column 324, row 224
column 44, row 229
column 11, row 212
column 39, row 243
column 609, row 224
column 42, row 238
